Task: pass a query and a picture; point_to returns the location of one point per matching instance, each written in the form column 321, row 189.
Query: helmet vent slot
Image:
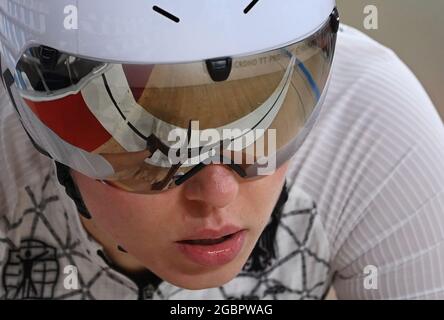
column 166, row 14
column 250, row 6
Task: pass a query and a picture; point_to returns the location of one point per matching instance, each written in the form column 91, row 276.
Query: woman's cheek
column 133, row 218
column 119, row 213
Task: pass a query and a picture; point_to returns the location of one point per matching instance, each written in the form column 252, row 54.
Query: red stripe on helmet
column 71, row 119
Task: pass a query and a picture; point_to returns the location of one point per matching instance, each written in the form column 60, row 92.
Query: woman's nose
column 216, row 185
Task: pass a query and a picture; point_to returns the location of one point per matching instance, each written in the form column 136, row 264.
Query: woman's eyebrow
column 166, row 14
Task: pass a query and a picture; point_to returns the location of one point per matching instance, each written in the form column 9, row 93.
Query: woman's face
column 162, row 231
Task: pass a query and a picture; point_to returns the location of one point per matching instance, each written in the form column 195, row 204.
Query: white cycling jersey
column 365, row 194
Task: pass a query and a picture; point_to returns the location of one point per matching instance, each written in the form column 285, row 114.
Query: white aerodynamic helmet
column 142, row 94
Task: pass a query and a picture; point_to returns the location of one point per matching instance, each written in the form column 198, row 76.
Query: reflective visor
column 147, row 128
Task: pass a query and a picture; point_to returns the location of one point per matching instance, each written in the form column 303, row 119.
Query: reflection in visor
column 48, row 74
column 266, row 114
column 125, row 113
column 261, row 118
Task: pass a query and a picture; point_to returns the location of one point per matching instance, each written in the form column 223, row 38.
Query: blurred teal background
column 414, row 29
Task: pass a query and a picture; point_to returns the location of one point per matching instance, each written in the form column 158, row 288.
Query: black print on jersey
column 31, row 271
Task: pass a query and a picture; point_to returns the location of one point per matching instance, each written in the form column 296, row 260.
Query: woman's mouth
column 213, row 251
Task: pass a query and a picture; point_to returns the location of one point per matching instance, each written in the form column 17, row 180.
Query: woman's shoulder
column 378, row 135
column 20, row 163
column 373, row 94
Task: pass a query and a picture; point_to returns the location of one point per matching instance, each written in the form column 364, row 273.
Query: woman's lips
column 216, row 249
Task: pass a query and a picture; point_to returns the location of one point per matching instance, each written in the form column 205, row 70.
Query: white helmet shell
column 134, row 32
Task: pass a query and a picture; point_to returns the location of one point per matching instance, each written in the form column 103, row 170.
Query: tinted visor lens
column 147, row 128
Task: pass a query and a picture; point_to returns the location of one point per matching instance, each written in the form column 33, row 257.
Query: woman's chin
column 204, row 281
column 199, row 277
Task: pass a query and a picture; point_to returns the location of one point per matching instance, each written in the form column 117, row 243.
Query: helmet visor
column 147, row 128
